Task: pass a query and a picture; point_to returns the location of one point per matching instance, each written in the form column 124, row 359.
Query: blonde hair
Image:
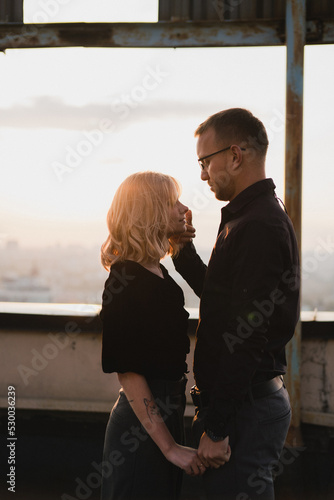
column 138, row 219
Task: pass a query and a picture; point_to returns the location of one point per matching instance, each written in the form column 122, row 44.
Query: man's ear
column 237, row 156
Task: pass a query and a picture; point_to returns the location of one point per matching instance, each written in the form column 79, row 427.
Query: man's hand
column 188, row 235
column 213, row 454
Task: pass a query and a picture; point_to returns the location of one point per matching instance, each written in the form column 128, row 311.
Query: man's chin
column 221, row 197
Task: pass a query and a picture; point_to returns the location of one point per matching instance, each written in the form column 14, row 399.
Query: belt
column 263, row 389
column 201, row 399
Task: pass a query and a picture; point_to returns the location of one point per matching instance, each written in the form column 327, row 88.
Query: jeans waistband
column 201, row 399
column 263, row 389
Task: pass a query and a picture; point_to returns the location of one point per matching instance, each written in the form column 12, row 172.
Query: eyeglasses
column 201, row 160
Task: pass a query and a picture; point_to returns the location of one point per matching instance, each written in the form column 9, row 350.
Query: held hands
column 214, row 454
column 188, row 235
column 195, row 462
column 187, row 459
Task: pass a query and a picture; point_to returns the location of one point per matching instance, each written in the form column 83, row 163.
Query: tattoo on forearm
column 151, row 408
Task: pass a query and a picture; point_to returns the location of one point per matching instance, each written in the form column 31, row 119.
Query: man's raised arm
column 188, row 263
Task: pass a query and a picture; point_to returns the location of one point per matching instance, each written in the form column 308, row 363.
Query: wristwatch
column 213, row 437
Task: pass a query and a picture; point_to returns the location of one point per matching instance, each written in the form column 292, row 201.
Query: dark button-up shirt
column 249, row 300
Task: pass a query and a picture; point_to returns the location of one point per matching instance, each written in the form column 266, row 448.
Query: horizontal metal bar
column 162, row 34
column 317, row 418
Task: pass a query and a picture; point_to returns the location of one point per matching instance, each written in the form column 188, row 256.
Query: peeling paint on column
column 295, row 40
column 317, row 376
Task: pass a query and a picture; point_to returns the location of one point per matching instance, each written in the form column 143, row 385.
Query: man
column 248, row 312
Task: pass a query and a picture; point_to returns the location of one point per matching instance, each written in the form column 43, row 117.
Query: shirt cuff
column 188, row 250
column 215, row 428
column 220, row 413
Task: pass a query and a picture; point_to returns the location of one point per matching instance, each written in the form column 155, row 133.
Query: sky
column 75, row 122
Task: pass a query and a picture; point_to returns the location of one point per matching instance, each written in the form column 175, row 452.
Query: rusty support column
column 11, row 11
column 295, row 41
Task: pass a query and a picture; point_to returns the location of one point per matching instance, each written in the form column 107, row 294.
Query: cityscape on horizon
column 74, row 274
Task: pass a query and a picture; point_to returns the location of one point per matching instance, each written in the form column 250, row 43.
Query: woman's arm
column 142, row 402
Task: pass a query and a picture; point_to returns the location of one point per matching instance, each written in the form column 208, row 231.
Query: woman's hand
column 188, row 235
column 185, row 458
column 142, row 402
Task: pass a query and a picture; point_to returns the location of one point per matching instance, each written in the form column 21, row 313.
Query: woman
column 145, row 342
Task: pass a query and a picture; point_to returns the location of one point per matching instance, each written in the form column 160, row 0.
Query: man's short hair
column 237, row 125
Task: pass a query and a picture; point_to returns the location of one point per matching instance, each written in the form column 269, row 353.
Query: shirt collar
column 246, row 196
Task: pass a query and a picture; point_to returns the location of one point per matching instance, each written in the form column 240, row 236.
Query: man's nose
column 204, row 175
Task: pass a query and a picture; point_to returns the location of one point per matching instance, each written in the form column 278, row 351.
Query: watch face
column 213, row 437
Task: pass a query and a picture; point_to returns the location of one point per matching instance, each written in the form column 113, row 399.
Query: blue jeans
column 257, row 436
column 133, row 466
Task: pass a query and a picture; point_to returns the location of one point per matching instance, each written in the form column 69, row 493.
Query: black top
column 249, row 300
column 144, row 323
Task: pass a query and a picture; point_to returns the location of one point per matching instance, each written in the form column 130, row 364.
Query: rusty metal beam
column 162, row 34
column 295, row 41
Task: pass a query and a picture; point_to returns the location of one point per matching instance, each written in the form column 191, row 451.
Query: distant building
column 15, row 288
